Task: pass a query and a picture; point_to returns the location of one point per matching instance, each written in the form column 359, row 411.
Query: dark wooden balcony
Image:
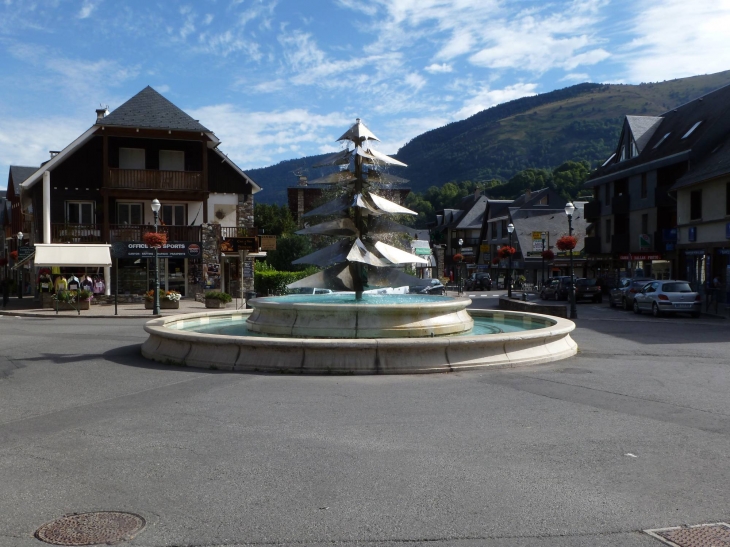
column 592, row 245
column 468, row 242
column 148, row 179
column 592, row 210
column 134, row 232
column 228, row 232
column 620, row 205
column 76, row 233
column 620, row 243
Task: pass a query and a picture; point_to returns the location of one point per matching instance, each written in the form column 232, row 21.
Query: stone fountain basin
column 167, row 344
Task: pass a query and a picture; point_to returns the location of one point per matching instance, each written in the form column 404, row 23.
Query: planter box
column 47, row 300
column 65, row 306
column 214, row 303
column 165, row 304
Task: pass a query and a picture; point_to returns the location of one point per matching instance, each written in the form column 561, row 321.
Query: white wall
column 225, row 204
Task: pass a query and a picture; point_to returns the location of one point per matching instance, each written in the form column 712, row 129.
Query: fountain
column 352, row 331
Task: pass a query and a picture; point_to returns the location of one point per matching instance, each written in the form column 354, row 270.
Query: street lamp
column 510, row 229
column 542, row 284
column 569, row 210
column 20, row 271
column 459, row 268
column 156, row 307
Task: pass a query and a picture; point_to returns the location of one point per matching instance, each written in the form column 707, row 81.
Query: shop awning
column 50, row 254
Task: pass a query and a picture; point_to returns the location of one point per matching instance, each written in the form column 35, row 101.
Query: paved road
column 632, row 433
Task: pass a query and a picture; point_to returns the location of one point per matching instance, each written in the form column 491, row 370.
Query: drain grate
column 700, row 535
column 91, row 528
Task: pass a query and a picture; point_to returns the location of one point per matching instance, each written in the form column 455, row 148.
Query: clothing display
column 61, row 284
column 73, row 283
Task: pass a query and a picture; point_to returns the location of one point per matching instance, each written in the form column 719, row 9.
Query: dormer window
column 657, row 145
column 695, row 126
column 634, row 149
column 623, row 153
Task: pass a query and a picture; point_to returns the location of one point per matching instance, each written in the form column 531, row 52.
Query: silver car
column 668, row 296
column 623, row 295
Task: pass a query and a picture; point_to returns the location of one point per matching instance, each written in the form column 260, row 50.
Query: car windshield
column 640, row 284
column 586, row 282
column 676, row 287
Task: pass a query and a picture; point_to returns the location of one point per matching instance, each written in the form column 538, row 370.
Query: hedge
column 275, row 282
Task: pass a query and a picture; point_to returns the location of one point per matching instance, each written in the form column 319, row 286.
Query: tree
column 288, row 249
column 274, row 219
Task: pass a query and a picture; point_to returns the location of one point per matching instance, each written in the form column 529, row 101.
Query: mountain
column 580, row 122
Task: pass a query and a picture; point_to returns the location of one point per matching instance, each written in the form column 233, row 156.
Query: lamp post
column 20, row 271
column 460, row 280
column 510, row 229
column 542, row 282
column 156, row 307
column 569, row 210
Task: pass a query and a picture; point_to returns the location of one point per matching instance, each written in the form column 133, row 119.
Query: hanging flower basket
column 458, row 257
column 506, row 251
column 548, row 255
column 567, row 243
column 154, row 239
column 495, row 261
column 14, row 255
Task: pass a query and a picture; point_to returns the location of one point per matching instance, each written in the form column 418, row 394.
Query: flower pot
column 65, row 306
column 214, row 303
column 165, row 304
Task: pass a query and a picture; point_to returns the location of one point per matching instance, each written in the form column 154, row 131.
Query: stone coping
column 358, row 356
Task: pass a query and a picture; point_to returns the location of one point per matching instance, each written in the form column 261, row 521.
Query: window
column 504, row 228
column 643, row 186
column 493, row 226
column 634, row 150
column 129, row 213
column 623, row 153
column 695, row 205
column 657, row 145
column 695, row 126
column 607, row 235
column 645, row 223
column 80, row 212
column 173, row 215
column 172, row 160
column 131, row 158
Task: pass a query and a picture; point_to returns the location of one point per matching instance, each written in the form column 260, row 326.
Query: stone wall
column 245, row 219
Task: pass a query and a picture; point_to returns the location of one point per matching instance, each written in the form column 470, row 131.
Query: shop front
column 650, row 265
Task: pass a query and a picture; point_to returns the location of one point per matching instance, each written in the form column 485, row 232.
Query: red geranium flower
column 458, row 257
column 495, row 260
column 567, row 243
column 548, row 254
column 14, row 255
column 154, row 239
column 506, row 251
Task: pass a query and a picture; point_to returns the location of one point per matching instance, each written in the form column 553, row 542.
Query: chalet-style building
column 640, row 226
column 99, row 189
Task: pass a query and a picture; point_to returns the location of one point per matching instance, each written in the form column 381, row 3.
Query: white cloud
column 485, row 98
column 576, row 77
column 87, row 8
column 415, row 80
column 436, row 68
column 675, row 39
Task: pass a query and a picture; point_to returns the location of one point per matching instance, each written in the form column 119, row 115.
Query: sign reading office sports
column 174, row 249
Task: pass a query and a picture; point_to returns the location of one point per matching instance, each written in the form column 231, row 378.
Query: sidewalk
column 28, row 307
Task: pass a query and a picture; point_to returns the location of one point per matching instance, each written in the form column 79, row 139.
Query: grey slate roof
column 715, row 164
column 712, row 109
column 150, row 110
column 555, row 223
column 643, row 127
column 18, row 173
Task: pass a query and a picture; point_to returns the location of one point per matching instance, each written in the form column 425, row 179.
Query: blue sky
column 282, row 79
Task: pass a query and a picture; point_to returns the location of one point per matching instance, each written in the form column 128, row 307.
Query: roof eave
column 639, row 168
column 255, row 188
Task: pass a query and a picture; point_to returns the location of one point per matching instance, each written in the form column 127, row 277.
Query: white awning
column 59, row 254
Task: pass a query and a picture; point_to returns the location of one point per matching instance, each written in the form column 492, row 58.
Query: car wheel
column 637, row 311
column 626, row 304
column 656, row 312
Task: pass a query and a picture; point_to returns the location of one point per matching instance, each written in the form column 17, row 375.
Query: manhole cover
column 701, row 535
column 91, row 528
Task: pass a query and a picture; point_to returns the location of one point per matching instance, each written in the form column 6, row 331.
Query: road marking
column 630, row 455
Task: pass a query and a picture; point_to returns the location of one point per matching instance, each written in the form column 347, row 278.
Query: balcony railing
column 592, row 245
column 76, row 233
column 148, row 179
column 620, row 243
column 620, row 205
column 592, row 210
column 134, row 232
column 468, row 242
column 228, row 232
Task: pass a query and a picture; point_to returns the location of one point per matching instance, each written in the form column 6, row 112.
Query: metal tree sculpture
column 360, row 260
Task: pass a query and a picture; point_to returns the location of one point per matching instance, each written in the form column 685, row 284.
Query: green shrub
column 217, row 295
column 275, row 282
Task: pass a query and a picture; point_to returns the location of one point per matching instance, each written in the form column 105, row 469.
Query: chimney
column 528, row 193
column 54, row 153
column 101, row 113
column 302, row 180
column 477, row 193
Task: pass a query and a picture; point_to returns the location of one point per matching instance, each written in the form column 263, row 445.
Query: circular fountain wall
column 225, row 341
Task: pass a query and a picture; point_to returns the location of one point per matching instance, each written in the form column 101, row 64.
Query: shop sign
column 484, row 248
column 173, row 249
column 644, row 242
column 420, row 251
column 669, row 234
column 248, row 269
column 25, row 251
column 724, row 251
column 640, row 256
column 235, row 244
column 537, row 242
column 268, row 243
column 694, row 252
column 467, row 251
column 692, row 233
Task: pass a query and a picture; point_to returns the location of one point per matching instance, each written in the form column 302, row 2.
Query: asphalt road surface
column 632, row 433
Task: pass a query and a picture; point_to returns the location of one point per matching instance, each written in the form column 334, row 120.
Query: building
column 635, row 208
column 100, row 187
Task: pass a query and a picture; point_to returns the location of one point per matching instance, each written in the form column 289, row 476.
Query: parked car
column 434, row 287
column 588, row 289
column 668, row 296
column 623, row 295
column 479, row 281
column 303, row 290
column 557, row 289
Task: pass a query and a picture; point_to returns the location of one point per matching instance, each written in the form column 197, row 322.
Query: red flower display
column 14, row 255
column 154, row 239
column 458, row 257
column 506, row 251
column 567, row 243
column 495, row 261
column 548, row 255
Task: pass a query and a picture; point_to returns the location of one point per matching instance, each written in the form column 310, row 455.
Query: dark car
column 588, row 289
column 479, row 281
column 557, row 289
column 623, row 295
column 434, row 287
